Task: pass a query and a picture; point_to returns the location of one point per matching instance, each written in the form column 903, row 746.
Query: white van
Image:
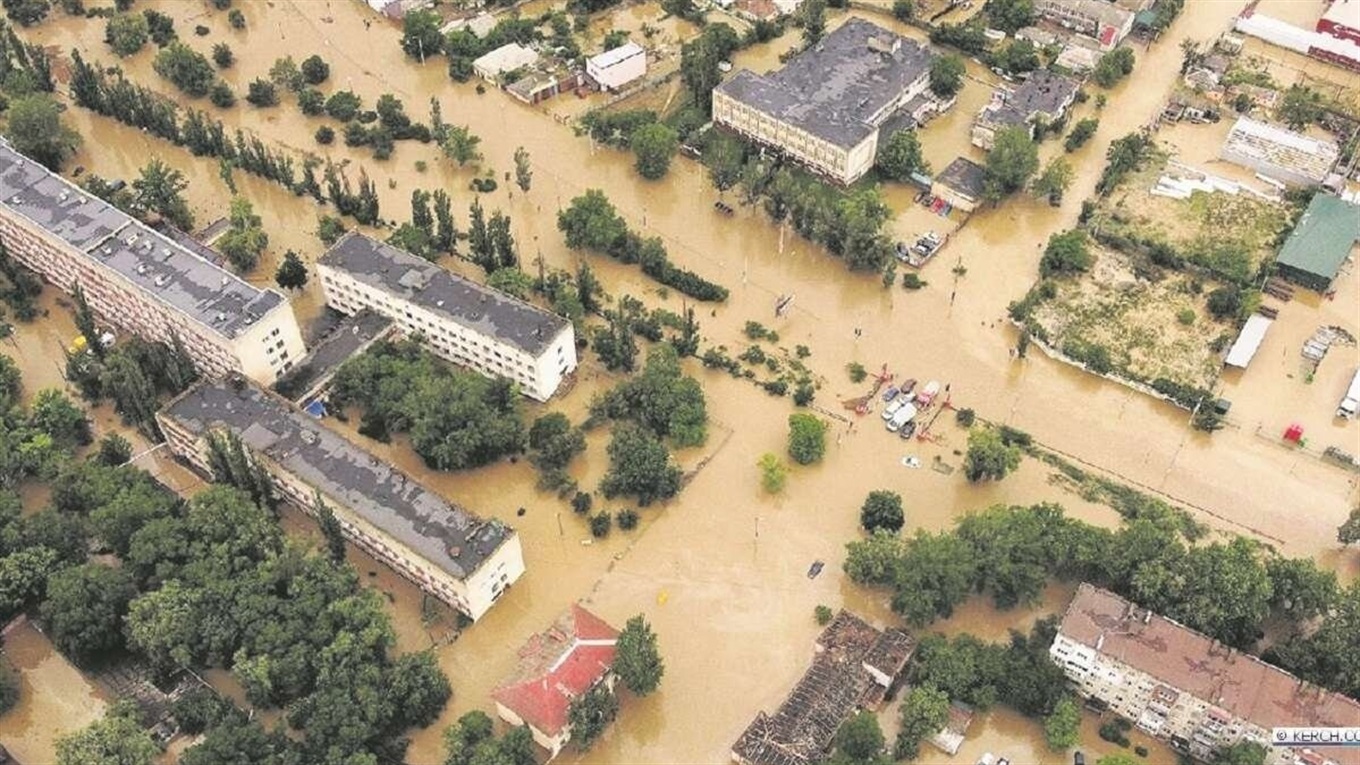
column 1351, row 401
column 903, row 416
column 895, row 406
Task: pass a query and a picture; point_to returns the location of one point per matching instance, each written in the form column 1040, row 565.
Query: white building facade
column 465, row 561
column 140, row 281
column 615, row 68
column 464, row 322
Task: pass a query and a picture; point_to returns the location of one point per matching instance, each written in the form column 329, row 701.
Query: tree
column 946, row 75
column 222, row 56
column 989, row 458
column 901, row 156
column 26, row 13
column 1009, row 15
column 1118, row 758
column 262, row 93
column 1017, row 57
column 245, row 238
column 315, row 70
column 420, row 35
column 554, row 443
column 1067, row 253
column 858, row 740
column 160, row 189
column 639, row 465
column 654, row 145
column 931, row 574
column 292, row 273
column 511, row 281
column 700, row 61
column 723, row 156
column 636, row 659
column 813, row 15
column 1081, row 133
column 925, row 712
column 236, row 19
column 117, row 739
column 343, row 105
column 903, row 10
column 1013, row 159
column 590, row 222
column 35, row 128
column 1054, row 180
column 114, row 450
column 524, row 173
column 1301, row 106
column 882, row 510
column 284, row 73
column 460, row 145
column 772, row 472
column 185, row 68
column 54, row 414
column 1299, row 589
column 126, row 33
column 1240, row 753
column 807, row 438
column 1349, row 531
column 84, row 609
column 1062, row 725
column 1113, row 67
column 590, row 713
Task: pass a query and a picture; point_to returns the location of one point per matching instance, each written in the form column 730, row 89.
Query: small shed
column 534, row 87
column 1248, row 341
column 1320, row 243
column 950, row 738
column 506, row 58
column 961, row 184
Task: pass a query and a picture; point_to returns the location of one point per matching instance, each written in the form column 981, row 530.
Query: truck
column 903, row 416
column 928, row 393
column 1351, row 401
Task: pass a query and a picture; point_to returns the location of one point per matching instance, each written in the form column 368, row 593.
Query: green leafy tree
column 988, row 457
column 1013, row 159
column 10, row 685
column 343, row 105
column 1349, row 531
column 1113, row 67
column 700, row 61
column 245, row 238
column 925, row 712
column 1240, row 753
column 932, row 574
column 640, row 466
column 284, row 73
column 114, row 450
column 26, row 13
column 35, row 128
column 946, row 75
column 54, row 414
column 554, row 443
column 903, row 10
column 159, row 188
column 807, row 438
column 222, row 56
column 1017, row 57
column 590, row 713
column 262, row 93
column 858, row 740
column 813, row 15
column 1009, row 15
column 185, row 68
column 511, row 281
column 524, row 173
column 1067, row 253
column 1052, row 183
column 1299, row 589
column 723, row 156
column 663, row 399
column 901, row 156
column 1081, row 133
column 1062, row 725
column 654, row 145
column 882, row 510
column 116, row 739
column 1119, row 758
column 1301, row 106
column 84, row 610
column 636, row 659
column 420, row 35
column 773, row 474
column 460, row 145
column 315, row 70
column 874, row 561
column 292, row 272
column 126, row 33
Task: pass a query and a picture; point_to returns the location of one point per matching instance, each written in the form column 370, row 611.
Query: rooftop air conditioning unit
column 162, row 280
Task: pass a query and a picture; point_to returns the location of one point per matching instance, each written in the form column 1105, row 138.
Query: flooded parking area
column 722, row 571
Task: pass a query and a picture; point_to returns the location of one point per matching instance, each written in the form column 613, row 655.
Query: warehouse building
column 460, row 320
column 617, row 67
column 1321, row 242
column 1281, row 154
column 140, row 281
column 446, row 551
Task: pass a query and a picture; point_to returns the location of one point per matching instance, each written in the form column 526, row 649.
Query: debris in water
column 815, row 569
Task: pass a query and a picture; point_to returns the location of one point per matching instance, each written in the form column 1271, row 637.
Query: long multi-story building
column 464, row 561
column 460, row 320
column 1106, row 23
column 140, row 281
column 1188, row 689
column 825, row 107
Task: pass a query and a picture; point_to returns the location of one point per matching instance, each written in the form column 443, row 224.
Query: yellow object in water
column 77, row 345
column 662, row 597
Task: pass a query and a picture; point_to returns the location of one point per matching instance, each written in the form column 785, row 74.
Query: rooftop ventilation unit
column 219, row 318
column 142, row 268
column 162, row 280
column 132, row 239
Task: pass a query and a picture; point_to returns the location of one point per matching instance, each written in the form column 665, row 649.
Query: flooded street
column 54, row 698
column 722, row 571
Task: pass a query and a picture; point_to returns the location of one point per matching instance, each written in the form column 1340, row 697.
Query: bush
column 600, row 524
column 882, row 510
column 965, row 417
column 262, row 93
column 1224, row 302
column 627, row 519
column 325, row 135
column 823, row 615
column 581, row 502
column 804, row 393
column 1186, row 316
column 807, row 438
column 221, row 95
column 856, row 372
column 911, row 281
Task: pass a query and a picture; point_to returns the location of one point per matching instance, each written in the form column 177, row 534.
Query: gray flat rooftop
column 965, row 176
column 442, row 533
column 481, row 309
column 832, row 89
column 1043, row 93
column 345, row 340
column 157, row 265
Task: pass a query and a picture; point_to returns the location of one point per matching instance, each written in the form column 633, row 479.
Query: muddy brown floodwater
column 722, row 571
column 54, row 698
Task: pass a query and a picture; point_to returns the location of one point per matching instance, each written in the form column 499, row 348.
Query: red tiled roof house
column 556, row 666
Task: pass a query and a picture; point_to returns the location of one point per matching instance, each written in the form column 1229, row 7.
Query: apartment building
column 1104, row 22
column 1186, row 688
column 825, row 107
column 140, row 281
column 446, row 551
column 462, row 321
column 1042, row 99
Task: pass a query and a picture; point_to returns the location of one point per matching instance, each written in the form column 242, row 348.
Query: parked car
column 890, row 393
column 909, row 386
column 907, row 430
column 903, row 416
column 891, row 409
column 928, row 393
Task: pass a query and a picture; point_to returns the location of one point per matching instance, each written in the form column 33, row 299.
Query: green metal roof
column 1323, row 238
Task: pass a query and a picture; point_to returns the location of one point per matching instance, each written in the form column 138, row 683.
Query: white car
column 903, row 416
column 894, row 405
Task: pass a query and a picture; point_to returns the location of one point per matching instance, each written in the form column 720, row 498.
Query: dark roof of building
column 1237, row 683
column 1323, row 237
column 157, row 265
column 1042, row 93
column 347, row 338
column 801, row 730
column 440, row 532
column 964, row 176
column 833, row 89
column 481, row 309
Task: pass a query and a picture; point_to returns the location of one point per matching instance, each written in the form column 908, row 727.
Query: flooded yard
column 721, row 571
column 54, row 697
